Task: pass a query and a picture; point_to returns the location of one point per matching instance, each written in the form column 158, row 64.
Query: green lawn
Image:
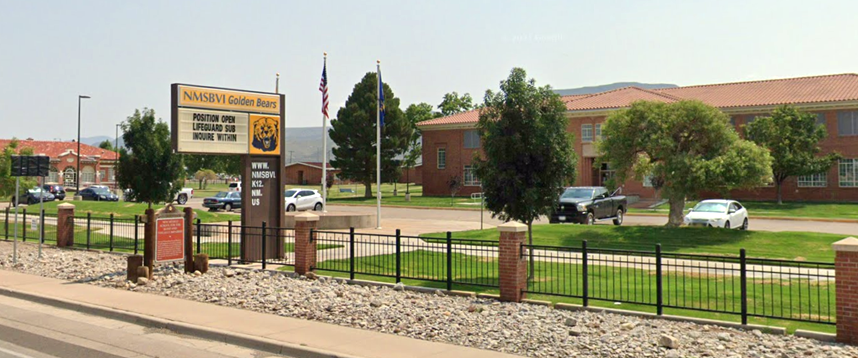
column 787, row 209
column 763, row 244
column 612, row 284
column 124, row 210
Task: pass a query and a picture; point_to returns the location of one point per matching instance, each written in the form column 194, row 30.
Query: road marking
column 14, row 354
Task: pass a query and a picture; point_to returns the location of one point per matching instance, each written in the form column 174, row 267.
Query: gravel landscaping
column 522, row 329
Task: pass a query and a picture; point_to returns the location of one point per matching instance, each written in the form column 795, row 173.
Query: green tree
column 106, row 144
column 453, row 103
column 528, row 152
column 148, row 167
column 354, row 132
column 415, row 113
column 685, row 147
column 226, row 164
column 7, row 181
column 792, row 137
column 204, row 176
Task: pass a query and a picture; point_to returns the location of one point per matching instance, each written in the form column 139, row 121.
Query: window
column 87, row 175
column 586, row 133
column 599, row 131
column 819, row 180
column 53, row 175
column 472, row 139
column 847, row 123
column 733, row 121
column 470, row 176
column 442, row 158
column 647, row 181
column 849, row 173
column 69, row 177
column 820, row 119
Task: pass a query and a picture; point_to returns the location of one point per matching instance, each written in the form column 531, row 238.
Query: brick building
column 449, row 143
column 97, row 166
column 304, row 173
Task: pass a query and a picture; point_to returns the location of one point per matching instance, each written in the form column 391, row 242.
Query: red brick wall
column 311, row 175
column 512, row 266
column 453, row 139
column 413, row 174
column 846, row 278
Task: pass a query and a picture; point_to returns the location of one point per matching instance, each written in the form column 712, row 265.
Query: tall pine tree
column 354, row 132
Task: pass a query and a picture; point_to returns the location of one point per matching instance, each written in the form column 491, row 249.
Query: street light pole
column 77, row 174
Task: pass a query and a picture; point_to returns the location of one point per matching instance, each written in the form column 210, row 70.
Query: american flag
column 323, row 87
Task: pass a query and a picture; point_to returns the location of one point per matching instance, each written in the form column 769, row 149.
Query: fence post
column 351, row 253
column 263, row 244
column 65, row 225
column 305, row 246
column 399, row 257
column 659, row 293
column 199, row 237
column 229, row 243
column 743, row 282
column 846, row 286
column 88, row 227
column 449, row 261
column 585, row 275
column 136, row 234
column 111, row 232
column 512, row 273
column 25, row 225
column 6, row 224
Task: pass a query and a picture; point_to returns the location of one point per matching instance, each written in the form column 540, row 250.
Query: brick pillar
column 846, row 281
column 305, row 250
column 65, row 225
column 512, row 272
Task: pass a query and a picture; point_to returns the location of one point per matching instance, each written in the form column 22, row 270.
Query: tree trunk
column 407, row 181
column 780, row 197
column 530, row 250
column 677, row 205
column 368, row 193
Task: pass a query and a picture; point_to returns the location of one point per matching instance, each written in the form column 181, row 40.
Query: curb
column 238, row 339
column 785, row 218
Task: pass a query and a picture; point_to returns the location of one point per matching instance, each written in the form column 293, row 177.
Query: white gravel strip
column 523, row 329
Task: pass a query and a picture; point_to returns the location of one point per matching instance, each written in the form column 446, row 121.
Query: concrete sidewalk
column 272, row 333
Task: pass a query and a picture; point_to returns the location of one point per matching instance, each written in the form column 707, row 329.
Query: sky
column 126, row 54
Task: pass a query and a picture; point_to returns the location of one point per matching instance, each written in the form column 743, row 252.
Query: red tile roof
column 829, row 88
column 53, row 149
column 313, row 164
column 800, row 90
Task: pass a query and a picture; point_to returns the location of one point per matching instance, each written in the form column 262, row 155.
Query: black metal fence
column 450, row 261
column 225, row 241
column 749, row 287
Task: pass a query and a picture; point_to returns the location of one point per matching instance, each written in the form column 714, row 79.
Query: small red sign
column 170, row 239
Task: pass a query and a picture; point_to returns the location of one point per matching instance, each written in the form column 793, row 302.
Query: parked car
column 718, row 213
column 235, row 186
column 98, row 193
column 31, row 196
column 181, row 197
column 586, row 205
column 303, row 199
column 58, row 191
column 226, row 200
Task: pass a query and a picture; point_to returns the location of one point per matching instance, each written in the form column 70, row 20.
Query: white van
column 234, row 187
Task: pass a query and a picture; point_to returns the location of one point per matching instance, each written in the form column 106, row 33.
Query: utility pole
column 77, row 174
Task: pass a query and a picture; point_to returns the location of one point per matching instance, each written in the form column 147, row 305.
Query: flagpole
column 325, row 149
column 378, row 146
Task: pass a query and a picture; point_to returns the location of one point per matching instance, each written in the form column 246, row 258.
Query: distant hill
column 96, row 140
column 612, row 86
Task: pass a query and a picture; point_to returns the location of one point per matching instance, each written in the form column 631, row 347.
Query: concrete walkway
column 288, row 336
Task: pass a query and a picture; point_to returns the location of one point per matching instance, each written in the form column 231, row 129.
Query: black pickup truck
column 586, row 205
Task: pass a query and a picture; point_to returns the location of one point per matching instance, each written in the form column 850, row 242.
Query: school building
column 449, row 143
column 97, row 166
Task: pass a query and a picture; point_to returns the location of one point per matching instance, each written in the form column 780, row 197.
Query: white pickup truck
column 181, row 197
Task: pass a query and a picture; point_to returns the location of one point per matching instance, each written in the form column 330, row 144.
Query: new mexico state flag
column 265, row 134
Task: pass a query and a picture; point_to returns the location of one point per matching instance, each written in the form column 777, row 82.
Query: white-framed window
column 848, row 170
column 442, row 158
column 586, row 133
column 647, row 181
column 472, row 139
column 599, row 131
column 53, row 175
column 819, row 180
column 69, row 177
column 847, row 123
column 87, row 175
column 470, row 176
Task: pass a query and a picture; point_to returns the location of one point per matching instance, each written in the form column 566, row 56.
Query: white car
column 728, row 214
column 234, row 186
column 303, row 199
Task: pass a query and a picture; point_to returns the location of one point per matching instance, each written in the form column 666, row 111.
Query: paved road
column 31, row 330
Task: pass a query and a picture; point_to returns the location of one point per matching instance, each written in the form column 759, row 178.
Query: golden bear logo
column 265, row 134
